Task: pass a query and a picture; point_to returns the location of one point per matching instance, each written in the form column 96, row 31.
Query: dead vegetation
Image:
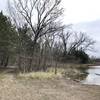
column 13, row 88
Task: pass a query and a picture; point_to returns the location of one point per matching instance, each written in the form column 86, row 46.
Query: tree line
column 34, row 38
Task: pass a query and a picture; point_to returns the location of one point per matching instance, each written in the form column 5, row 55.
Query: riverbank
column 40, row 86
column 12, row 88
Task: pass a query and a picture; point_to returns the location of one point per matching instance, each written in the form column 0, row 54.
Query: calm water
column 93, row 77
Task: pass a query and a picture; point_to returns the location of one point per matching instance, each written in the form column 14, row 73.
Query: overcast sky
column 77, row 11
column 84, row 14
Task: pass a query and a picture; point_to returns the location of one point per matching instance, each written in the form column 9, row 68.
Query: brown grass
column 55, row 89
column 39, row 75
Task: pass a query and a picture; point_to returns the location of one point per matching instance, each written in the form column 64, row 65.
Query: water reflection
column 93, row 76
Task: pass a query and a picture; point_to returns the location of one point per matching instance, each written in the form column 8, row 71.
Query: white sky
column 77, row 11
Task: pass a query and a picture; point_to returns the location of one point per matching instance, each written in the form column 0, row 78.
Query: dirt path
column 16, row 89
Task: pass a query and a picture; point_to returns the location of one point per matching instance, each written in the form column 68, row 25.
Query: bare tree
column 65, row 35
column 41, row 15
column 81, row 41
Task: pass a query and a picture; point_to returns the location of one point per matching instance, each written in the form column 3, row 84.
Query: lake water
column 93, row 77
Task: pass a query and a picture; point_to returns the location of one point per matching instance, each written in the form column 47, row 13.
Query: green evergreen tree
column 7, row 39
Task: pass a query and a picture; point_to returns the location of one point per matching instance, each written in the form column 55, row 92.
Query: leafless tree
column 41, row 15
column 81, row 41
column 65, row 35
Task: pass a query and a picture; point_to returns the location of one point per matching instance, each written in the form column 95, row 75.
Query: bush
column 84, row 58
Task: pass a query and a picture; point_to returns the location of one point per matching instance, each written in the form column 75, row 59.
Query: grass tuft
column 40, row 75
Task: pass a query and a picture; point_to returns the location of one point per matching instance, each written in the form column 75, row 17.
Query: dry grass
column 2, row 76
column 56, row 89
column 45, row 86
column 66, row 70
column 39, row 75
